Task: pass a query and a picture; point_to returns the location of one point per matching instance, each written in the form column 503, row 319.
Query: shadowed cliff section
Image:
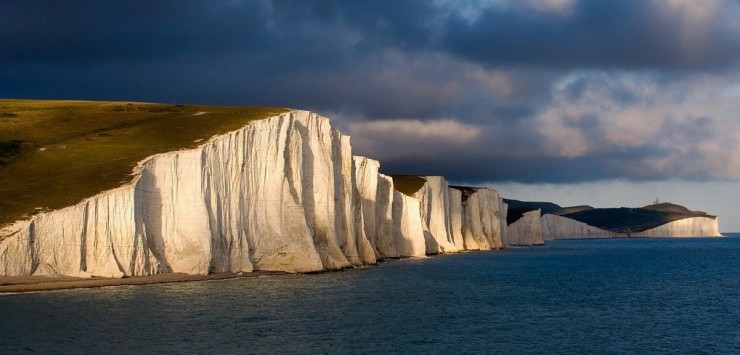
column 517, row 209
column 56, row 153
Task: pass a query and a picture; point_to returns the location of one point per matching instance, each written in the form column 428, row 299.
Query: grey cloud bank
column 558, row 91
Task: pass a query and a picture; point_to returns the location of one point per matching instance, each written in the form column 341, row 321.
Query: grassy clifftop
column 55, row 153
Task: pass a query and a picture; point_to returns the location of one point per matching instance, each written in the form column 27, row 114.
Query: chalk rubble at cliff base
column 280, row 194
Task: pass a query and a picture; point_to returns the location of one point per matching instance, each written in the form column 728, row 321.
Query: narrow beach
column 22, row 284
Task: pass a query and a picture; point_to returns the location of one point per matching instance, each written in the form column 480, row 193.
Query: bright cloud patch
column 556, row 6
column 682, row 128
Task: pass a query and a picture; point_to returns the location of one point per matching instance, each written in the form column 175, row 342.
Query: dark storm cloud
column 261, row 45
column 462, row 169
column 93, row 32
column 634, row 164
column 598, row 34
column 554, row 90
column 300, row 34
column 285, row 53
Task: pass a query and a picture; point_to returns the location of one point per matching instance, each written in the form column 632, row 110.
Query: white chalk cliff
column 434, row 198
column 390, row 220
column 282, row 194
column 525, row 230
column 683, row 228
column 455, row 220
column 556, row 227
column 483, row 219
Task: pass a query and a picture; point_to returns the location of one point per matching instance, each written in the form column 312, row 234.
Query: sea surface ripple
column 641, row 296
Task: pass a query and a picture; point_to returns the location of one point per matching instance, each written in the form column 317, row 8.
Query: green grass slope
column 55, row 153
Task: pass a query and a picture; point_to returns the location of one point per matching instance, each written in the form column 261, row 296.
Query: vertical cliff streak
column 435, row 202
column 385, row 239
column 408, row 230
column 375, row 206
column 456, row 223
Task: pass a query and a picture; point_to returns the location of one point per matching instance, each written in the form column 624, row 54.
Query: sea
column 622, row 296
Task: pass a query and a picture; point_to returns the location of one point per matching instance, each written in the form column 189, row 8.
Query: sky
column 607, row 103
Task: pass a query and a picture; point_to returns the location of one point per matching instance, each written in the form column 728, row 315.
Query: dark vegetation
column 408, row 184
column 9, row 150
column 620, row 220
column 630, row 220
column 466, row 191
column 514, row 214
column 517, row 209
column 546, row 207
column 55, row 153
column 574, row 209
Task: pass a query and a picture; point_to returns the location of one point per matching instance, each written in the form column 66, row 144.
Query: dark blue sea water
column 643, row 296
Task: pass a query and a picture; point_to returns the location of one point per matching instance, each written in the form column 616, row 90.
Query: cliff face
column 434, row 198
column 455, row 221
column 525, row 231
column 283, row 194
column 484, row 220
column 687, row 227
column 456, row 218
column 408, row 231
column 390, row 220
column 98, row 236
column 557, row 227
